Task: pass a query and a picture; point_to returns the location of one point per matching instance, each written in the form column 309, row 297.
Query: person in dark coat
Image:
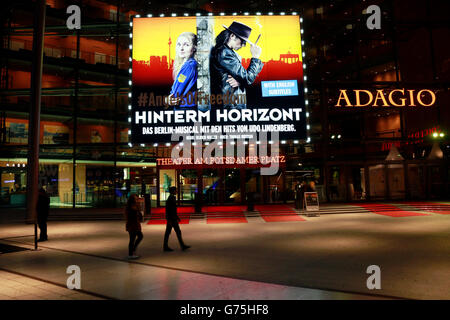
column 229, row 78
column 133, row 225
column 172, row 221
column 42, row 208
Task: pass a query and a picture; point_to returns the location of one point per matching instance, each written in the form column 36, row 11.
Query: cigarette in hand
column 258, row 39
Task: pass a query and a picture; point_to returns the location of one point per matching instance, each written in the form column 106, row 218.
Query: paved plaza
column 273, row 253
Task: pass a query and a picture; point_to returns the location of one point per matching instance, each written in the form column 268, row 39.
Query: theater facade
column 374, row 121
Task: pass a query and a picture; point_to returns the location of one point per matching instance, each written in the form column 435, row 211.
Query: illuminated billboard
column 216, row 77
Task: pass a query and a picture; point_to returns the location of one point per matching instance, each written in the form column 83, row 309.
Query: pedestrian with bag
column 134, row 218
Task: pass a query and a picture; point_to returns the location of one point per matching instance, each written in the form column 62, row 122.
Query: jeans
column 172, row 224
column 132, row 246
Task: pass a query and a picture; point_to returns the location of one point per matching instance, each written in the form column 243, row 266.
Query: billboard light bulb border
column 130, row 83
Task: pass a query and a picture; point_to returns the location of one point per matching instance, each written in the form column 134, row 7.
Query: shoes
column 42, row 240
column 132, row 257
column 167, row 249
column 185, row 247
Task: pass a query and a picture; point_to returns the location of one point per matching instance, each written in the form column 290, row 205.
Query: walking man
column 172, row 221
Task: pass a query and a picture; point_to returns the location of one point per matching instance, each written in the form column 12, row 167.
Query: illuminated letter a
column 74, row 21
column 343, row 93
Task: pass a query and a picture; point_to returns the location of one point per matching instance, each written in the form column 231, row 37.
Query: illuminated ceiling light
column 245, row 142
column 142, row 145
column 307, row 114
column 270, row 13
column 435, row 135
column 161, row 15
column 234, row 13
column 129, row 70
column 129, row 95
column 138, row 16
column 339, row 136
column 304, row 66
column 306, row 102
column 258, row 13
column 441, row 134
column 181, row 143
column 129, row 82
column 301, row 31
column 129, row 107
column 282, row 13
column 305, row 78
column 131, row 24
column 194, row 143
column 303, row 54
column 333, row 136
column 283, row 141
column 306, row 90
column 206, row 143
column 131, row 35
column 296, row 141
column 129, row 131
column 294, row 13
column 300, row 164
column 129, row 119
column 155, row 144
column 149, row 15
column 186, row 14
column 308, row 127
column 210, row 14
column 258, row 142
column 197, row 14
column 168, row 144
column 129, row 144
column 222, row 13
column 303, row 43
column 173, row 14
column 130, row 46
column 129, row 59
column 246, row 13
column 220, row 143
column 14, row 164
column 7, row 164
column 308, row 140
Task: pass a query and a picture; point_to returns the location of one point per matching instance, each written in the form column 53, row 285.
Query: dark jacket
column 42, row 207
column 171, row 208
column 134, row 218
column 224, row 62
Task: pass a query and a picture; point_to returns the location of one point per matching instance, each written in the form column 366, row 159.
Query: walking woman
column 133, row 226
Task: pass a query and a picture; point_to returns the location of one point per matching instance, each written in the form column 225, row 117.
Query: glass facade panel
column 232, row 186
column 188, row 186
column 377, row 176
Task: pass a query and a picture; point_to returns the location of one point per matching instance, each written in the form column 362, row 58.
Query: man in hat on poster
column 228, row 77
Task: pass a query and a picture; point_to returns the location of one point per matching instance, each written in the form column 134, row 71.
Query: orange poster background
column 154, row 42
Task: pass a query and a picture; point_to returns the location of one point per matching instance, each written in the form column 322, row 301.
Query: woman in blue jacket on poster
column 182, row 94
